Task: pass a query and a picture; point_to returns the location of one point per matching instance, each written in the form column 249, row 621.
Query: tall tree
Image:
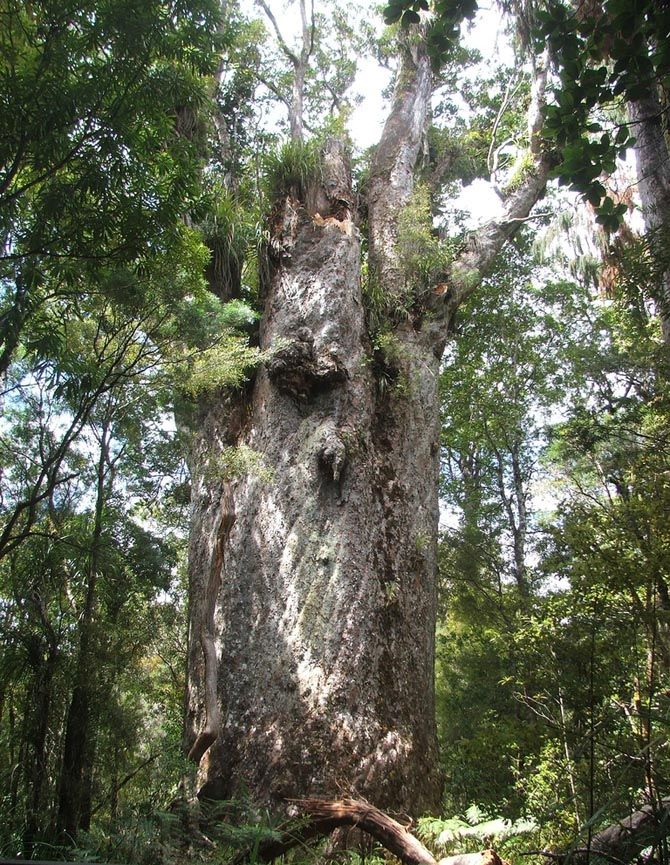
column 313, row 552
column 611, row 53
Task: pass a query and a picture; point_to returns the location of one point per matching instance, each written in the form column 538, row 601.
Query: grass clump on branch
column 291, row 170
column 228, row 230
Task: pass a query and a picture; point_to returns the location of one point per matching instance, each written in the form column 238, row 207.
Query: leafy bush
column 224, row 365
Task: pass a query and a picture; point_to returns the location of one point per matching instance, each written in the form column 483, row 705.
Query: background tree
column 99, row 156
column 101, row 281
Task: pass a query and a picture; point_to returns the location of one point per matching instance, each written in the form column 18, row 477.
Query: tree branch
column 280, row 39
column 319, row 817
column 395, row 161
column 507, row 97
column 484, row 244
column 125, row 780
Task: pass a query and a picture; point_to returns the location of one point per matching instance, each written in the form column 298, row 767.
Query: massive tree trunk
column 313, row 552
column 320, row 577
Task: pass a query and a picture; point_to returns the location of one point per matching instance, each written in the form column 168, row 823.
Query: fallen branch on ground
column 625, row 840
column 319, row 818
column 620, row 843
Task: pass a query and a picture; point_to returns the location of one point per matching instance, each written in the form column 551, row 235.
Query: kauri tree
column 315, row 487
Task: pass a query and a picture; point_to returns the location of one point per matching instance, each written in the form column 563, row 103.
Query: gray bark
column 653, row 180
column 323, row 610
column 392, row 172
column 624, row 841
column 312, row 580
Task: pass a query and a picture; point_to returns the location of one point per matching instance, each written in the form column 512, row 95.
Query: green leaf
column 595, row 193
column 410, row 17
column 621, row 135
column 392, row 14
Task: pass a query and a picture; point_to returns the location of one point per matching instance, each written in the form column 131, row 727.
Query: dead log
column 620, row 843
column 624, row 841
column 317, row 818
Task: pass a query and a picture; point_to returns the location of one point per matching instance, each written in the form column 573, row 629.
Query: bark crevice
column 203, row 623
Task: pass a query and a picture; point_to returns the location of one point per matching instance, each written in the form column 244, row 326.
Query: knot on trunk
column 333, row 454
column 297, row 370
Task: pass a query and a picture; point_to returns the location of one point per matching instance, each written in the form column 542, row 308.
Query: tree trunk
column 74, row 792
column 38, row 771
column 313, row 551
column 315, row 586
column 653, row 180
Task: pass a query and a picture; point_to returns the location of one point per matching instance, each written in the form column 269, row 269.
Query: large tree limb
column 392, row 171
column 484, row 244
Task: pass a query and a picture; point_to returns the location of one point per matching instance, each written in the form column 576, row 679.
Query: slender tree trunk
column 300, row 63
column 18, row 758
column 296, row 110
column 74, row 795
column 312, row 576
column 569, row 762
column 519, row 521
column 38, row 770
column 653, row 173
column 11, row 324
